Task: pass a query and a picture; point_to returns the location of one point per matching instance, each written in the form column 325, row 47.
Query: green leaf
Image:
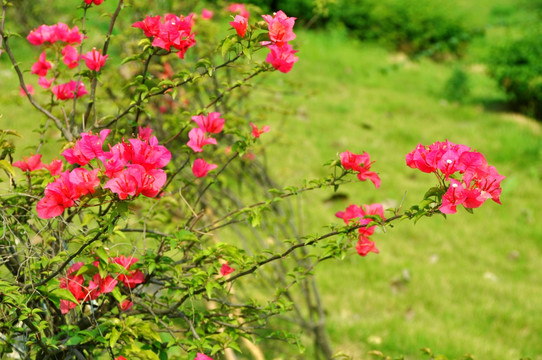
column 74, row 340
column 64, row 294
column 228, row 44
column 5, row 165
column 115, row 335
column 102, row 254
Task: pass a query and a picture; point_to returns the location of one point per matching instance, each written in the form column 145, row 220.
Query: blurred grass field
column 467, row 284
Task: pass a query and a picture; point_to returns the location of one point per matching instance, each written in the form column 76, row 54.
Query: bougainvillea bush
column 155, row 229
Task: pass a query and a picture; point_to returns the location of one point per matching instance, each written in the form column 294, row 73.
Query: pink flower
column 42, row 66
column 120, row 358
column 130, row 278
column 31, row 163
column 54, row 33
column 96, row 2
column 201, row 168
column 212, row 123
column 87, row 148
column 225, row 269
column 150, row 25
column 280, row 27
column 44, row 83
column 454, row 196
column 58, row 196
column 148, row 154
column 126, row 183
column 206, row 14
column 70, row 56
column 29, row 88
column 364, row 246
column 173, row 32
column 240, row 9
column 198, row 140
column 69, row 90
column 75, row 284
column 240, row 25
column 94, row 60
column 99, row 285
column 85, row 181
column 145, row 133
column 361, row 164
column 126, row 305
column 55, row 167
column 256, row 133
column 40, row 35
column 282, row 58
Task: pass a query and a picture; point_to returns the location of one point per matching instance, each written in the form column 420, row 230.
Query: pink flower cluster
column 91, row 290
column 361, row 164
column 173, row 32
column 472, row 180
column 211, row 123
column 129, row 168
column 356, row 215
column 281, row 55
column 94, row 60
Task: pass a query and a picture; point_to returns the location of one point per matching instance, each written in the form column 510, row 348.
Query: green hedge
column 428, row 27
column 517, row 66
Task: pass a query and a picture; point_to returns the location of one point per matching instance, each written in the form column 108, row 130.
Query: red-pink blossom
column 70, row 56
column 94, row 60
column 206, row 14
column 201, row 168
column 225, row 269
column 126, row 305
column 85, row 181
column 212, row 123
column 455, row 195
column 120, row 358
column 131, row 278
column 282, row 58
column 280, row 27
column 54, row 33
column 75, row 284
column 240, row 9
column 99, row 285
column 55, row 167
column 58, row 196
column 361, row 164
column 95, row 2
column 364, row 246
column 240, row 24
column 31, row 163
column 126, row 183
column 42, row 66
column 148, row 154
column 257, row 132
column 173, row 31
column 44, row 83
column 197, row 140
column 87, row 148
column 69, row 90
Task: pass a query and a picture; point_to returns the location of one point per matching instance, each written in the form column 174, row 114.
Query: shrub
column 517, row 67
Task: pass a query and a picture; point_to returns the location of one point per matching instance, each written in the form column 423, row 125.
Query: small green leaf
column 115, row 335
column 5, row 165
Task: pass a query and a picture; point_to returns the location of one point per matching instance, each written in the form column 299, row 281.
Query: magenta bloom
column 207, row 14
column 256, row 133
column 55, row 167
column 201, row 168
column 87, row 148
column 85, row 181
column 173, row 31
column 99, row 285
column 29, row 88
column 198, row 140
column 360, row 163
column 282, row 58
column 95, row 2
column 240, row 24
column 58, row 196
column 130, row 278
column 280, row 27
column 225, row 269
column 31, row 163
column 240, row 9
column 42, row 66
column 54, row 33
column 212, row 123
column 69, row 90
column 70, row 56
column 125, row 306
column 94, row 60
column 364, row 246
column 44, row 83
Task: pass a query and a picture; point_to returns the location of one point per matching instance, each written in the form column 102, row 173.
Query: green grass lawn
column 468, row 284
column 473, row 280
